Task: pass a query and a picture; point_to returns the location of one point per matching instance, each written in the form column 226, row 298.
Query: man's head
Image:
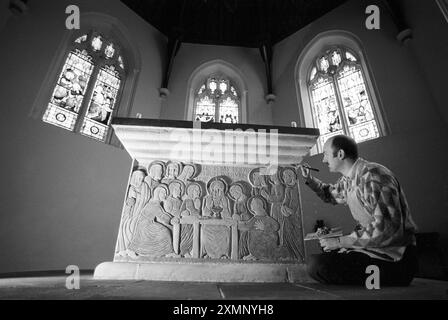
column 339, row 152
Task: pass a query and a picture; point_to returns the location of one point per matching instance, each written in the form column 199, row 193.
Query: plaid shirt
column 388, row 227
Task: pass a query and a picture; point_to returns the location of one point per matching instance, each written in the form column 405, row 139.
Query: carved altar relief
column 216, row 237
column 137, row 196
column 173, row 169
column 152, row 236
column 244, row 216
column 259, row 184
column 174, row 201
column 292, row 219
column 262, row 232
column 240, row 213
column 275, row 197
column 191, row 207
column 155, row 173
column 189, row 171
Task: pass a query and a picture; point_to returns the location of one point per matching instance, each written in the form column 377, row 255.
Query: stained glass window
column 217, row 101
column 96, row 71
column 341, row 103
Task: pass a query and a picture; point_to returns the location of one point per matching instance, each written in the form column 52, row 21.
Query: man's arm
column 328, row 193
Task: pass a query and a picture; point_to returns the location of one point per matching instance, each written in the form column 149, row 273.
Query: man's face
column 334, row 163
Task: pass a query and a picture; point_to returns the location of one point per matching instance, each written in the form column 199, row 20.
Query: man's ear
column 341, row 154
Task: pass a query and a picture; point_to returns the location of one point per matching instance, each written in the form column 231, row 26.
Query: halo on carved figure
column 189, row 172
column 255, row 178
column 233, row 186
column 290, row 171
column 180, row 183
column 217, row 181
column 192, row 186
column 158, row 189
column 263, row 201
column 176, row 165
column 154, row 163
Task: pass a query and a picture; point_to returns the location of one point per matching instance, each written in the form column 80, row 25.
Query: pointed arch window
column 217, row 100
column 340, row 99
column 88, row 88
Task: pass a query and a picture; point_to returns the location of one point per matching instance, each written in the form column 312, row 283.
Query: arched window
column 340, row 100
column 88, row 87
column 217, row 100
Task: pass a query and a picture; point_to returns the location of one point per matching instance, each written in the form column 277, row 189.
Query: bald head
column 342, row 142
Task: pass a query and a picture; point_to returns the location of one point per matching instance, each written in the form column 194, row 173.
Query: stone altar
column 210, row 202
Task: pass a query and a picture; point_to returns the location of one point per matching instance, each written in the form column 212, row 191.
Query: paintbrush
column 306, row 167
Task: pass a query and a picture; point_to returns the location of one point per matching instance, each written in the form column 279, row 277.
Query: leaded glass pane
column 202, row 89
column 120, row 61
column 102, row 104
column 325, row 106
column 356, row 102
column 223, row 87
column 350, row 56
column 365, row 131
column 228, row 111
column 233, row 91
column 81, row 39
column 213, row 86
column 313, row 73
column 336, row 58
column 324, row 64
column 69, row 91
column 109, row 51
column 205, row 110
column 97, row 43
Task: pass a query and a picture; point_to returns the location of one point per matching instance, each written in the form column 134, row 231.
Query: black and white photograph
column 227, row 158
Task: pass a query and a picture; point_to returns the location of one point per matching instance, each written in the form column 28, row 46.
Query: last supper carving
column 181, row 211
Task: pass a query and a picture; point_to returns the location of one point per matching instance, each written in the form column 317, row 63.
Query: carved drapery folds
column 183, row 211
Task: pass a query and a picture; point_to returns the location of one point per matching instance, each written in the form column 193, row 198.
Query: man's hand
column 306, row 173
column 330, row 244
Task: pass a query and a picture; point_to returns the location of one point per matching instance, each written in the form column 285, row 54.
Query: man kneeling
column 385, row 235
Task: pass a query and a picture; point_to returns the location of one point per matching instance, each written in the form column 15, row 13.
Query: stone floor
column 53, row 287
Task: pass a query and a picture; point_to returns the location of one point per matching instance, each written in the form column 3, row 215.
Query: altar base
column 203, row 272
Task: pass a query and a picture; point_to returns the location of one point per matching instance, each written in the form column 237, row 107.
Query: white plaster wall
column 249, row 64
column 62, row 193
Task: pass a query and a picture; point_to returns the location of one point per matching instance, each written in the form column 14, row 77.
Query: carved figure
column 240, row 209
column 262, row 229
column 174, row 201
column 216, row 238
column 188, row 173
column 153, row 232
column 191, row 206
column 155, row 173
column 275, row 197
column 216, row 204
column 138, row 195
column 258, row 182
column 290, row 209
column 173, row 170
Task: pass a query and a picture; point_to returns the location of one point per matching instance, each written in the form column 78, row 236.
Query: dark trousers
column 350, row 268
